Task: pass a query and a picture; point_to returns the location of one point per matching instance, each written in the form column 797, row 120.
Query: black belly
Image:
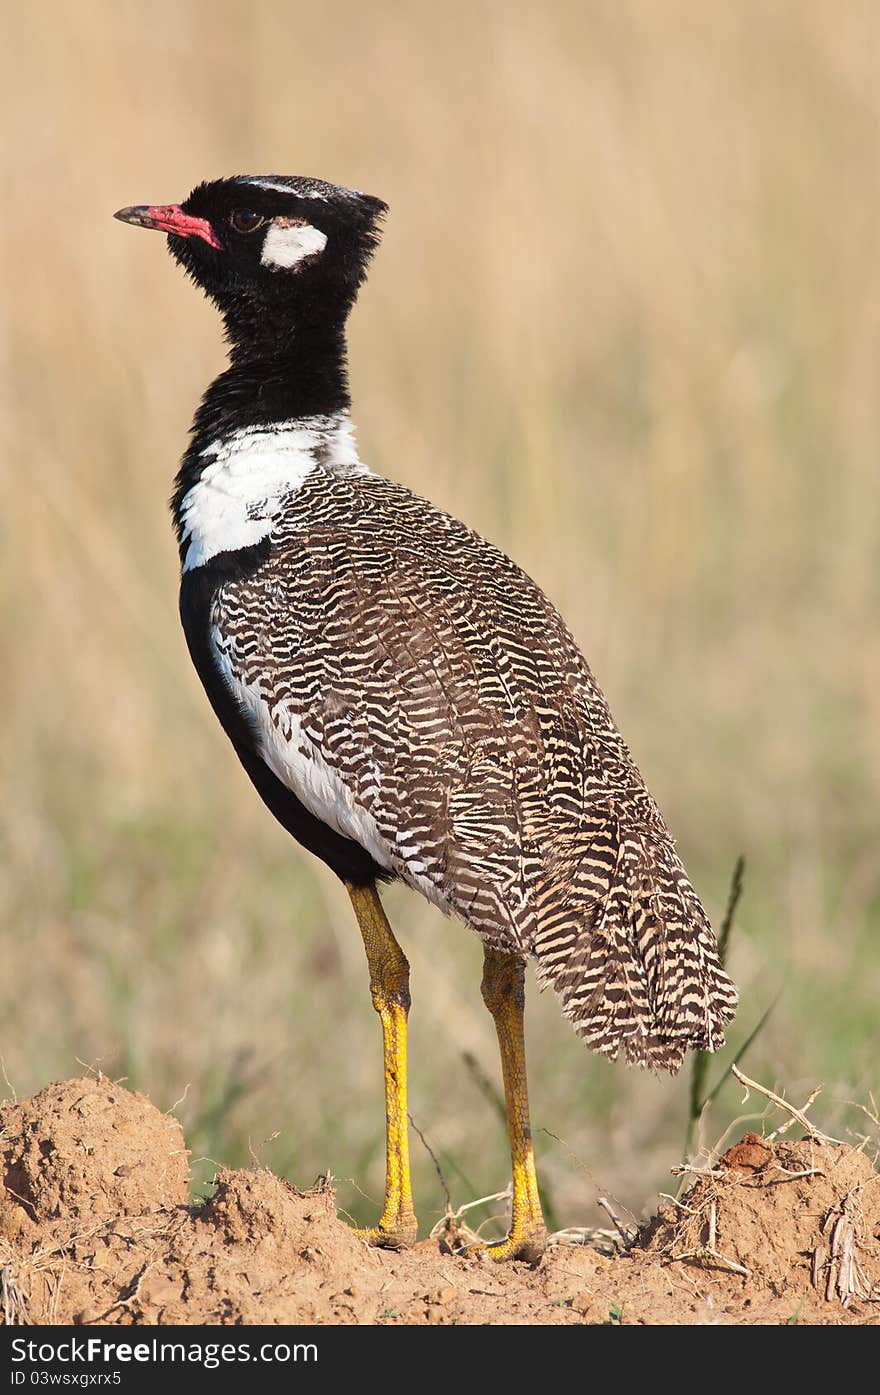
column 345, row 857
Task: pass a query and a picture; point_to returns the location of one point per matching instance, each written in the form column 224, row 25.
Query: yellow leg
column 389, row 985
column 504, row 995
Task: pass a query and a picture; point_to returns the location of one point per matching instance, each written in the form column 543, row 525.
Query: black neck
column 272, row 377
column 300, row 374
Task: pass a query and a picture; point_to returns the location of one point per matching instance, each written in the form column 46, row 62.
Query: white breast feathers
column 248, row 476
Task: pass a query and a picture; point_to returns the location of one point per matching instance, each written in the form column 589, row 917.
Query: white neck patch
column 288, row 243
column 247, row 478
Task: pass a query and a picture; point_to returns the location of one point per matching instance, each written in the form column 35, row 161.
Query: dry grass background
column 626, row 321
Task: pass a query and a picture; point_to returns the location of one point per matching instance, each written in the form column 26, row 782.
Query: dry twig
column 797, row 1114
column 14, row 1304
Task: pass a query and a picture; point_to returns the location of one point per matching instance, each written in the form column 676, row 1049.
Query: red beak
column 169, row 218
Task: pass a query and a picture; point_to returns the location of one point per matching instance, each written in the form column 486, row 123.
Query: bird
column 406, row 701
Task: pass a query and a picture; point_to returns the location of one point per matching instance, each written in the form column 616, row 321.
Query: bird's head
column 271, row 250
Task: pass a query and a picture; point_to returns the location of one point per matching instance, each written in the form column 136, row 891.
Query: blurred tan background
column 625, row 321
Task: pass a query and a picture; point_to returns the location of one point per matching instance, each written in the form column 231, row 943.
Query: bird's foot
column 526, row 1243
column 398, row 1232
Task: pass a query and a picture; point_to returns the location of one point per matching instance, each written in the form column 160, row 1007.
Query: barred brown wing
column 419, row 692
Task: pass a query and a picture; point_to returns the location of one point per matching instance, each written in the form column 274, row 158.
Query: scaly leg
column 503, row 989
column 389, row 985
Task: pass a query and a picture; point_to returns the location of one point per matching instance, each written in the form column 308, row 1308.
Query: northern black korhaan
column 404, row 698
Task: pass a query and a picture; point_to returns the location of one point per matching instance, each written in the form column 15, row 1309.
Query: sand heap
column 96, row 1227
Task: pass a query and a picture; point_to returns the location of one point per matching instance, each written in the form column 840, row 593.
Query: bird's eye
column 243, row 220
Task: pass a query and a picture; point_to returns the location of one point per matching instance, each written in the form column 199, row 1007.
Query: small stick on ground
column 607, row 1242
column 14, row 1304
column 811, row 1099
column 451, row 1224
column 798, row 1114
column 707, row 1253
column 687, row 1168
column 627, row 1234
column 710, row 1249
column 688, row 1210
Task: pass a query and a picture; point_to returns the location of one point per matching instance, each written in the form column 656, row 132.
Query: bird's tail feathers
column 635, row 961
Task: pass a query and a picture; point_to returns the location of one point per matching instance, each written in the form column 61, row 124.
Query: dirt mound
column 785, row 1224
column 95, row 1227
column 91, row 1148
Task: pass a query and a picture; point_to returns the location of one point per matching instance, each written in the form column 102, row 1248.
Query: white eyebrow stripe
column 286, row 244
column 285, row 189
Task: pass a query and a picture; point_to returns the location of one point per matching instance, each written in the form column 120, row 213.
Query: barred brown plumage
column 442, row 687
column 405, row 699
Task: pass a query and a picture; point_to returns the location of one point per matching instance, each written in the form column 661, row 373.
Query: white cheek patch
column 288, row 243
